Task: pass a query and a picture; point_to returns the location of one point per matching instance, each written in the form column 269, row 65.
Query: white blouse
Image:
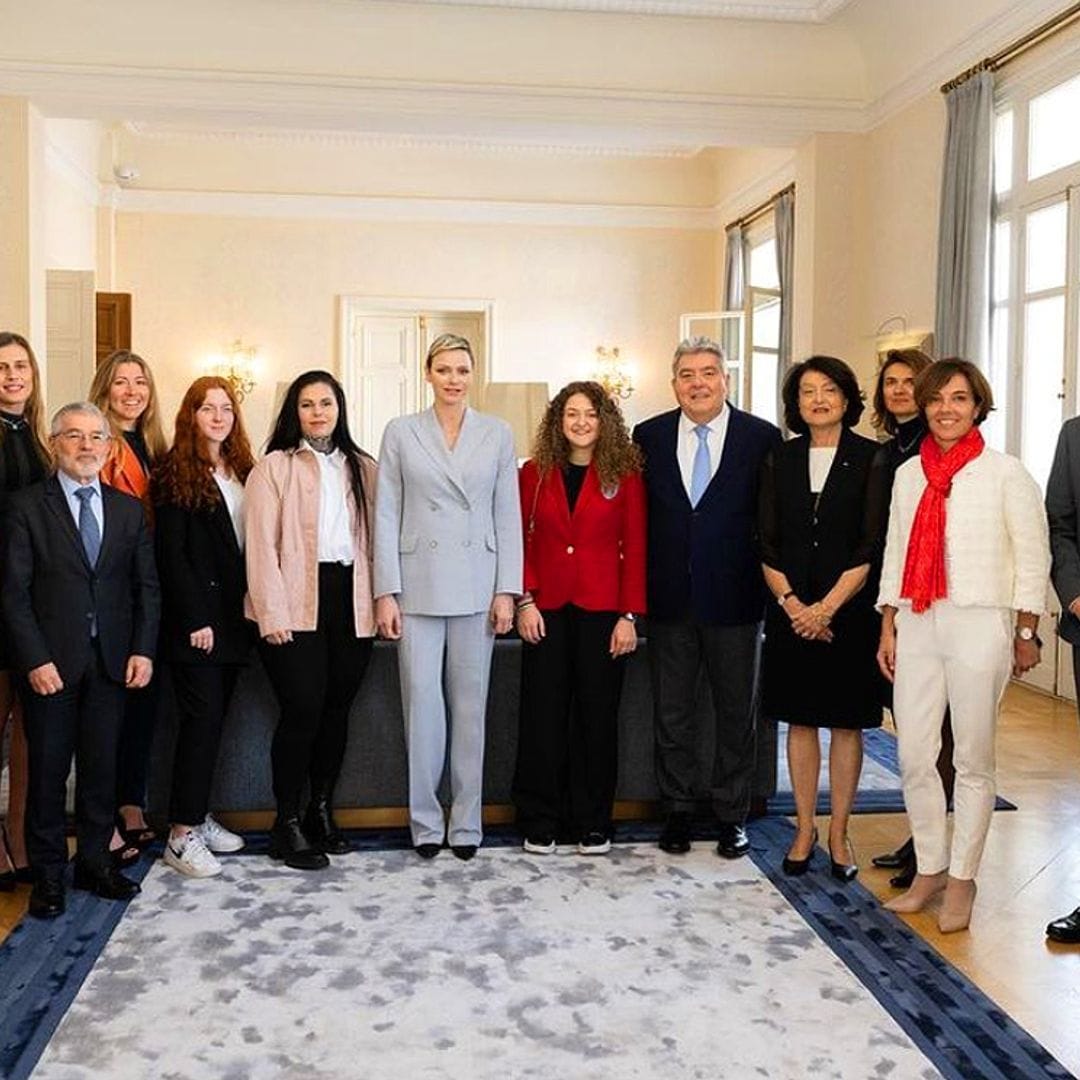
column 821, row 459
column 232, row 491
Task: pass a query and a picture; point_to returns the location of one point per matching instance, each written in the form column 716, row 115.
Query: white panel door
column 69, row 335
column 380, row 373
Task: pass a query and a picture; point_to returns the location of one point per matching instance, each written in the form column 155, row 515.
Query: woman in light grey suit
column 448, row 564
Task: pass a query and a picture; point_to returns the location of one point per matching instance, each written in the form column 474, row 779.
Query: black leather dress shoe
column 321, row 831
column 905, row 877
column 898, row 859
column 464, row 852
column 289, row 845
column 675, row 839
column 427, row 851
column 47, row 898
column 106, row 882
column 732, row 841
column 1066, row 929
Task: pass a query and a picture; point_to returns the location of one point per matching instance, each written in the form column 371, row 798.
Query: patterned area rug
column 633, row 965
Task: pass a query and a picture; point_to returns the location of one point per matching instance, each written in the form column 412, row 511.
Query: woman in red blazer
column 583, row 507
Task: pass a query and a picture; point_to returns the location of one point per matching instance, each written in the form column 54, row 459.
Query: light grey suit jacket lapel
column 430, row 437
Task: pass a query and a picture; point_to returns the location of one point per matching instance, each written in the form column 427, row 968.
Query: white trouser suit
column 959, row 652
column 447, row 539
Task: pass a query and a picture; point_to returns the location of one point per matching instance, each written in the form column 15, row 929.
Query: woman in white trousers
column 967, row 560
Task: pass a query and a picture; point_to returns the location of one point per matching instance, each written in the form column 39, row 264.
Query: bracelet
column 782, row 600
column 523, row 604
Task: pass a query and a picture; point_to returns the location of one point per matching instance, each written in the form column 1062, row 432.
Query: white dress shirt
column 335, row 535
column 821, row 459
column 688, row 444
column 69, row 487
column 232, row 491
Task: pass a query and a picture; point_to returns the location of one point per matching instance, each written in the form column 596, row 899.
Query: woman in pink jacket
column 308, row 505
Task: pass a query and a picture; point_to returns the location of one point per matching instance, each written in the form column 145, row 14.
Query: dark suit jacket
column 704, row 563
column 1063, row 511
column 51, row 594
column 203, row 583
column 814, row 545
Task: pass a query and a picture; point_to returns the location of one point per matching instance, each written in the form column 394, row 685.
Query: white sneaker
column 539, row 845
column 217, row 838
column 594, row 843
column 190, row 855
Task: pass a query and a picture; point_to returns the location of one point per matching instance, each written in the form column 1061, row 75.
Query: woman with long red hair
column 198, row 497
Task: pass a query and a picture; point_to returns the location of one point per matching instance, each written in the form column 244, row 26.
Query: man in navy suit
column 706, row 593
column 81, row 602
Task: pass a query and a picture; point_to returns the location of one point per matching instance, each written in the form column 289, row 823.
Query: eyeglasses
column 96, row 438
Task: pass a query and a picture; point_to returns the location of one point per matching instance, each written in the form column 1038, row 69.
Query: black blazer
column 52, row 595
column 1063, row 512
column 203, row 582
column 813, row 540
column 705, row 563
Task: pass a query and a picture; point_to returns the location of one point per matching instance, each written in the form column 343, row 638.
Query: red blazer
column 595, row 557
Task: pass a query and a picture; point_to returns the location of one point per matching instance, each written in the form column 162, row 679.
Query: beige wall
column 199, row 282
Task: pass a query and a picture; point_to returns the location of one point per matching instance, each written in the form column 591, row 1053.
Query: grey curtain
column 784, row 219
column 963, row 281
column 734, row 278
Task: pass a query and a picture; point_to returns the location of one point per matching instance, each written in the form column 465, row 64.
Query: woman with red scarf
column 967, row 547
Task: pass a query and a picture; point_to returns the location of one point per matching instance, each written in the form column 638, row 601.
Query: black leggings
column 315, row 677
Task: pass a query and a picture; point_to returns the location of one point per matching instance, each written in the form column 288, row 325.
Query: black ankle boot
column 288, row 844
column 320, row 829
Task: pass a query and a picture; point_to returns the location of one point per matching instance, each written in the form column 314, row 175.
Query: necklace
column 906, row 448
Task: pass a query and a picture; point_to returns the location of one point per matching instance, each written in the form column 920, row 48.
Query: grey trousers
column 445, row 664
column 731, row 656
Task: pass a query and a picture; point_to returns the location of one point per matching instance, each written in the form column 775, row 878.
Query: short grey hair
column 85, row 408
column 698, row 344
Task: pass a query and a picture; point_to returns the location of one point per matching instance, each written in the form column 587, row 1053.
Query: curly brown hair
column 614, row 456
column 184, row 476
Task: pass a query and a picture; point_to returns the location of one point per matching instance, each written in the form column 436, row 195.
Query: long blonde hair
column 149, row 423
column 34, row 413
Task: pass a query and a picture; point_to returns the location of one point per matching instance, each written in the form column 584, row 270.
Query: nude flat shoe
column 956, row 907
column 923, row 889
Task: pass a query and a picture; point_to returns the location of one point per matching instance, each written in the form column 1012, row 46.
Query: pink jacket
column 281, row 512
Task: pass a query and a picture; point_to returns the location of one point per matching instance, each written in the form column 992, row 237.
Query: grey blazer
column 447, row 525
column 1063, row 512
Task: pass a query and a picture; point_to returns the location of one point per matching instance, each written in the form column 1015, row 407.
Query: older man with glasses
column 81, row 604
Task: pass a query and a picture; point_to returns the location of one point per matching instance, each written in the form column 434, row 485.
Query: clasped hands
column 809, row 621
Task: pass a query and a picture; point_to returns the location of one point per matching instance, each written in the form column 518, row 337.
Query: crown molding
column 807, row 11
column 180, row 133
column 626, row 119
column 399, row 210
column 753, row 194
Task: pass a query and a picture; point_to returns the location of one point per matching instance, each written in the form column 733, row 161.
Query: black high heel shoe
column 844, row 872
column 797, row 867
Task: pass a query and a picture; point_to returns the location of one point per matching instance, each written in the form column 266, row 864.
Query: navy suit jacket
column 704, row 563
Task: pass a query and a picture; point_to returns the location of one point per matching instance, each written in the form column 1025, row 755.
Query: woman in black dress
column 24, row 460
column 896, row 413
column 823, row 501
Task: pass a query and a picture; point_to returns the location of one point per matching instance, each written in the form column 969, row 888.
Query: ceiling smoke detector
column 125, row 174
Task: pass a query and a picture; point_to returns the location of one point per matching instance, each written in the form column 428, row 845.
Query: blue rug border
column 906, row 975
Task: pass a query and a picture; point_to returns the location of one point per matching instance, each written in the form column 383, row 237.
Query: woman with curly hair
column 198, row 496
column 24, row 460
column 123, row 389
column 583, row 507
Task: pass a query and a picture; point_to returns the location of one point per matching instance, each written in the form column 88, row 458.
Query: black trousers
column 82, row 719
column 203, row 693
column 136, row 735
column 568, row 753
column 315, row 677
column 731, row 656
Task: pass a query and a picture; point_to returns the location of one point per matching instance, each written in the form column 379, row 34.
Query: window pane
column 1003, row 152
column 1044, row 348
column 734, row 380
column 763, row 271
column 766, row 325
column 1054, row 138
column 1047, row 232
column 1002, row 251
column 993, row 429
column 763, row 386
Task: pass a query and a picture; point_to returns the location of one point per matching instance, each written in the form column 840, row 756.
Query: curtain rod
column 761, row 208
column 1017, row 48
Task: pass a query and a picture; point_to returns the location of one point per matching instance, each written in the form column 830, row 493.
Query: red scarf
column 924, row 567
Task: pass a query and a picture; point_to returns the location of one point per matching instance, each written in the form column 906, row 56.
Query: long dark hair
column 286, row 433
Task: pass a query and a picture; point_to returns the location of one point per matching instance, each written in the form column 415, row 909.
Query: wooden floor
column 1030, row 875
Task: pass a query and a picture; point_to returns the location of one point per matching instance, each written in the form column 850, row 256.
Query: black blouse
column 573, row 478
column 21, row 463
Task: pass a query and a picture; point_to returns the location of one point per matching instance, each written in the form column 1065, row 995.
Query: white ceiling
column 814, row 11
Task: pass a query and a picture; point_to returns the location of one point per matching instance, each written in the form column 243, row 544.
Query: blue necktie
column 88, row 525
column 701, row 473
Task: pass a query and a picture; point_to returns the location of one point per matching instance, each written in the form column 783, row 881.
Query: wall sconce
column 237, row 367
column 612, row 374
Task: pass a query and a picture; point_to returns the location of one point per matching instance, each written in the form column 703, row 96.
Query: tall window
column 763, row 322
column 1036, row 264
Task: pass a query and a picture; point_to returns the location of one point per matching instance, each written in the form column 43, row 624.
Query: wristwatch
column 1026, row 633
column 629, row 616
